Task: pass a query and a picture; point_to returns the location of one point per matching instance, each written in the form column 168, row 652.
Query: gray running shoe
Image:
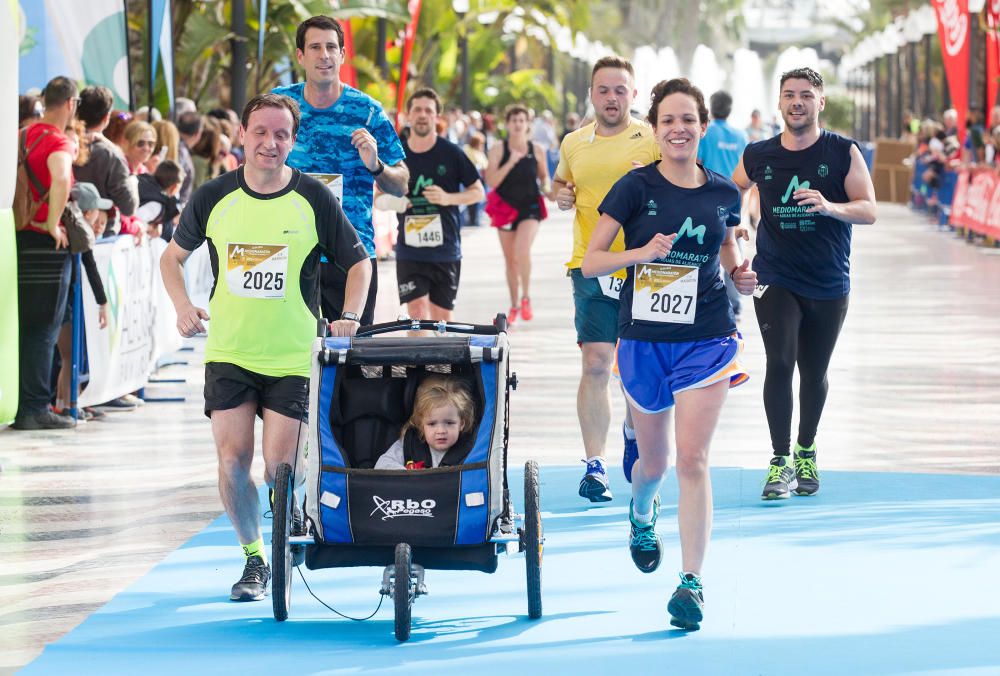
column 687, row 604
column 780, row 479
column 253, row 585
column 806, row 473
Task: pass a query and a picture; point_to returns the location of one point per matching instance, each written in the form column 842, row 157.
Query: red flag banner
column 992, row 61
column 408, row 39
column 348, row 74
column 953, row 32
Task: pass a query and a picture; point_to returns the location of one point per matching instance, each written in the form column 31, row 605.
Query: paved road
column 913, row 388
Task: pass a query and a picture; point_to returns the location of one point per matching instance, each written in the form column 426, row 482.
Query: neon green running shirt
column 265, row 252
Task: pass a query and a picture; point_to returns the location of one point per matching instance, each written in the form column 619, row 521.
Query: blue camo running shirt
column 323, row 146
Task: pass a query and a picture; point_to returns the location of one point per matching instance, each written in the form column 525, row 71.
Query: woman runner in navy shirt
column 679, row 343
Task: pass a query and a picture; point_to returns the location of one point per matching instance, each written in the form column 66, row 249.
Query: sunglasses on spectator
column 145, row 144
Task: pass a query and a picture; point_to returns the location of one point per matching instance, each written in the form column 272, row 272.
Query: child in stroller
column 437, row 433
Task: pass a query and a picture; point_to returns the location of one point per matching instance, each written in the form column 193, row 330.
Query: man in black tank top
column 813, row 186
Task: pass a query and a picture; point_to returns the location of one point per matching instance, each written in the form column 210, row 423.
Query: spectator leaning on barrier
column 43, row 263
column 106, row 167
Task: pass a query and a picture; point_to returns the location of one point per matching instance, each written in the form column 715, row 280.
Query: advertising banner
column 81, row 40
column 953, row 32
column 141, row 321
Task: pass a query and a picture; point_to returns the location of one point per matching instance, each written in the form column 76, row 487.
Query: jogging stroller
column 446, row 518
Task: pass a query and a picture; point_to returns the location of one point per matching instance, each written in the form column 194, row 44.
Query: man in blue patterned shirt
column 346, row 138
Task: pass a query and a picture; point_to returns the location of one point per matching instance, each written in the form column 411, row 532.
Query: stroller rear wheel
column 402, row 591
column 531, row 539
column 281, row 552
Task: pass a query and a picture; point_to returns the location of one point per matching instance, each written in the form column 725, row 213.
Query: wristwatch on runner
column 352, row 316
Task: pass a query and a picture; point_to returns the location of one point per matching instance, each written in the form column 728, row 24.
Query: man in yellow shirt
column 591, row 160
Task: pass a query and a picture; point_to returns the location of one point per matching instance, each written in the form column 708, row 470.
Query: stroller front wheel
column 402, row 591
column 532, row 539
column 281, row 552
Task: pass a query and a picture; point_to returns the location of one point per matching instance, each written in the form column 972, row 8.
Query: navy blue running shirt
column 446, row 166
column 646, row 203
column 807, row 254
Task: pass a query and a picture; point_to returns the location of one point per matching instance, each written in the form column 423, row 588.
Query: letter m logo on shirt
column 688, row 229
column 794, row 185
column 421, row 183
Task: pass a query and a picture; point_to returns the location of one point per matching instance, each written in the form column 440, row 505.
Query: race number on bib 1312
column 256, row 270
column 665, row 293
column 423, row 231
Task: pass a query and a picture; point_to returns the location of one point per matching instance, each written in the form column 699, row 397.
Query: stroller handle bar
column 428, row 325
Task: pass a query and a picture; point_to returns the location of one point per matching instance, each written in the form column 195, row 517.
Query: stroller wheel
column 281, row 552
column 532, row 539
column 402, row 593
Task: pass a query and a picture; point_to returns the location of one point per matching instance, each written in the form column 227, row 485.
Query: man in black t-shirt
column 429, row 242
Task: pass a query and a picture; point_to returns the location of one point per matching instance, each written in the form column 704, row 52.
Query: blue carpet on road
column 878, row 574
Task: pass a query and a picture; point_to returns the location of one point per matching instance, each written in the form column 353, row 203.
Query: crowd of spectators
column 125, row 174
column 131, row 174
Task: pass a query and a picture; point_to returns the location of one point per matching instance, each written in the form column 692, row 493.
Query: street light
column 461, row 8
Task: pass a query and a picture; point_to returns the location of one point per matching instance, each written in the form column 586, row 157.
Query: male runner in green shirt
column 267, row 226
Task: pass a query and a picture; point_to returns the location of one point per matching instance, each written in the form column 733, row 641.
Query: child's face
column 441, row 427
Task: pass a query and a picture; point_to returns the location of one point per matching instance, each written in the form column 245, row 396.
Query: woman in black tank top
column 516, row 169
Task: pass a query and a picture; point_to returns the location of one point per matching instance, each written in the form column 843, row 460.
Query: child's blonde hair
column 436, row 391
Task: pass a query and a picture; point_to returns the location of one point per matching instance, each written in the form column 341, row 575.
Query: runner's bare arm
column 564, row 193
column 394, row 180
column 189, row 317
column 599, row 261
column 472, row 194
column 744, row 183
column 355, row 293
column 732, row 261
column 860, row 210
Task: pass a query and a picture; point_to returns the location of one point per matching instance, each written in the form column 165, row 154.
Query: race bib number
column 759, row 290
column 335, row 182
column 665, row 293
column 423, row 231
column 611, row 286
column 257, row 270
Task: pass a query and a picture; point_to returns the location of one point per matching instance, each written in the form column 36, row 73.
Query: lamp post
column 461, row 8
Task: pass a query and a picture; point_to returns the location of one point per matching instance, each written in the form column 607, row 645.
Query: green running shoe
column 643, row 542
column 780, row 479
column 806, row 472
column 687, row 604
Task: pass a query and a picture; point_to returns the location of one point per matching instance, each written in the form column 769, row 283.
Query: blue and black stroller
column 452, row 518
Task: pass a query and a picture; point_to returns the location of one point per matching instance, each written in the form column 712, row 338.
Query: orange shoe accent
column 526, row 312
column 512, row 315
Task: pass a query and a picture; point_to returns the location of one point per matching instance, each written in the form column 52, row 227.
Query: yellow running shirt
column 593, row 164
column 265, row 252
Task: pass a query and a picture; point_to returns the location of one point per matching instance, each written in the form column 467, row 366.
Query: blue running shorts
column 652, row 373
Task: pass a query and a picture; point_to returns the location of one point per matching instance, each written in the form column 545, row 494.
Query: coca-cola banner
column 992, row 61
column 976, row 206
column 953, row 33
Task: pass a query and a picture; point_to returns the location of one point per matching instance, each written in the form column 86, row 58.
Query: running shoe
column 594, row 484
column 253, row 585
column 643, row 542
column 526, row 312
column 687, row 604
column 806, row 472
column 780, row 479
column 116, row 405
column 630, row 456
column 512, row 315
